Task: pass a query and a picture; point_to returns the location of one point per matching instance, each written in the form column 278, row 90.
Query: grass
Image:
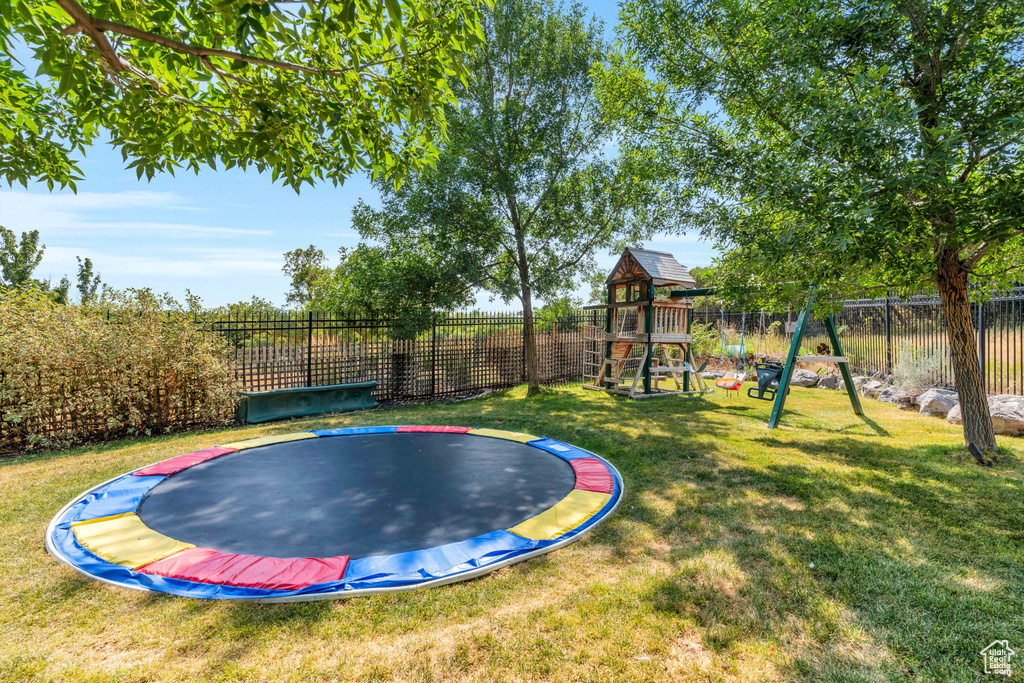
column 832, row 549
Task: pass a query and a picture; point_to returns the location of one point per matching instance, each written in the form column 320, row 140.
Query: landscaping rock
column 858, row 382
column 830, row 382
column 871, row 388
column 907, row 402
column 1007, row 413
column 937, row 402
column 892, row 394
column 710, row 375
column 804, row 378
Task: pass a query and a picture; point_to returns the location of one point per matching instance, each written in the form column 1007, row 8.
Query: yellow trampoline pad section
column 125, row 540
column 565, row 515
column 267, row 440
column 502, row 434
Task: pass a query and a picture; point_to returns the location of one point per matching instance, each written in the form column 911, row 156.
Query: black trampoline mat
column 357, row 495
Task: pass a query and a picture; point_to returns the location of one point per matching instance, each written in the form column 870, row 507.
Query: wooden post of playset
column 608, row 328
column 647, row 295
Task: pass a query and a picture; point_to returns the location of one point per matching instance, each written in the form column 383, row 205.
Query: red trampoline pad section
column 205, row 565
column 436, row 429
column 183, row 462
column 592, row 475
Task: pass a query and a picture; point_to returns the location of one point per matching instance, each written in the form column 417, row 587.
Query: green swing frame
column 793, row 357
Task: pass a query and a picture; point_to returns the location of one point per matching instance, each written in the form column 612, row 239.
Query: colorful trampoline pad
column 567, row 514
column 592, row 475
column 181, row 462
column 103, row 533
column 205, row 565
column 121, row 495
column 502, row 434
column 269, row 440
column 125, row 540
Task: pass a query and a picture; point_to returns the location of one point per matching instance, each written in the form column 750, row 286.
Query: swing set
column 771, row 376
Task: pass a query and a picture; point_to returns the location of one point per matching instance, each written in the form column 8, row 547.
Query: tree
column 88, row 283
column 18, row 260
column 305, row 267
column 305, row 89
column 845, row 146
column 408, row 284
column 522, row 194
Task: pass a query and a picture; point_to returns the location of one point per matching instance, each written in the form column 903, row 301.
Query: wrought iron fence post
column 309, row 349
column 981, row 342
column 522, row 377
column 433, row 357
column 888, row 333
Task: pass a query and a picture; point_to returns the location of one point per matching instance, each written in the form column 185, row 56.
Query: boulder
column 804, row 378
column 907, row 402
column 858, row 382
column 710, row 375
column 1007, row 413
column 830, row 382
column 892, row 394
column 937, row 402
column 871, row 388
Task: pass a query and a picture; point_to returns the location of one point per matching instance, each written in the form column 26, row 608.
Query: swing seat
column 731, row 381
column 767, row 381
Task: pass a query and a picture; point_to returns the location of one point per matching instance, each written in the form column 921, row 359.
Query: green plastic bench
column 279, row 404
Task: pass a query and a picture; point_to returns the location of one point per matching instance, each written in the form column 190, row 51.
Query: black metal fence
column 898, row 336
column 467, row 352
column 459, row 354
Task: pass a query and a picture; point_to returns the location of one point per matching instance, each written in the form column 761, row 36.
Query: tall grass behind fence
column 461, row 353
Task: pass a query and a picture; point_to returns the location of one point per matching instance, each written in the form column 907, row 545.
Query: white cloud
column 185, row 264
column 157, row 227
column 24, row 211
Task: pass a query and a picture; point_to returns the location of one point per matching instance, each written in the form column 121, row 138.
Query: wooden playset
column 645, row 344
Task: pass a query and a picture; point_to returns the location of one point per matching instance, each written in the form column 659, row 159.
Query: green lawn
column 835, row 549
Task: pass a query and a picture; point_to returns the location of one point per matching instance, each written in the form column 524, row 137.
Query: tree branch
column 94, row 28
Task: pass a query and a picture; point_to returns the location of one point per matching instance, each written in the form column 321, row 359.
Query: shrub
column 72, row 374
column 917, row 369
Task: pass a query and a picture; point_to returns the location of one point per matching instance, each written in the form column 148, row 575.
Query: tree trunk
column 951, row 281
column 530, row 344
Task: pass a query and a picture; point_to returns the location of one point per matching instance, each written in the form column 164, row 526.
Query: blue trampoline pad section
column 403, row 509
column 562, row 450
column 436, row 563
column 118, row 497
column 346, row 431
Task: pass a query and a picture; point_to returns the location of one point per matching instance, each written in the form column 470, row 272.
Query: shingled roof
column 659, row 266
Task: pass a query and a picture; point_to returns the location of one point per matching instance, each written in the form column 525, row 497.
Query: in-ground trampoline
column 335, row 513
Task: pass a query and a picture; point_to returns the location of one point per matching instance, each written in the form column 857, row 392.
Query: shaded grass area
column 832, row 549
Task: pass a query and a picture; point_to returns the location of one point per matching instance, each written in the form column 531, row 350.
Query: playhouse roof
column 659, row 266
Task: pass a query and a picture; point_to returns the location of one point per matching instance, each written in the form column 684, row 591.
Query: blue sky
column 219, row 234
